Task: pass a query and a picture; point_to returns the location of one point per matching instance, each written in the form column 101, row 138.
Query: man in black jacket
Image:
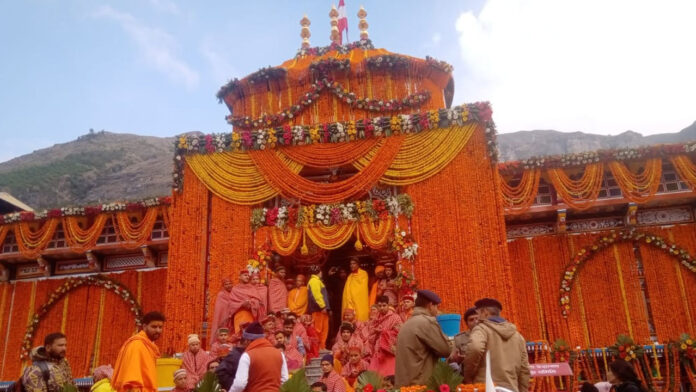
column 228, row 366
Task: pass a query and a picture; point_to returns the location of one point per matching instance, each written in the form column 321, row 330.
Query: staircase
column 313, row 368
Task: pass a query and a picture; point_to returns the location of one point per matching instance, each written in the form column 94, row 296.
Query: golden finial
column 362, row 25
column 304, row 33
column 335, row 35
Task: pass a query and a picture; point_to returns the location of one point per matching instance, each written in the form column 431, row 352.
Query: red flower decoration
column 368, row 388
column 444, row 388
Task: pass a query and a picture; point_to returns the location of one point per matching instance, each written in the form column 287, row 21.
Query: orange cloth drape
column 291, row 184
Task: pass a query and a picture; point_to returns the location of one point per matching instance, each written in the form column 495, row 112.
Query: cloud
column 165, row 6
column 157, row 47
column 436, row 38
column 221, row 66
column 593, row 65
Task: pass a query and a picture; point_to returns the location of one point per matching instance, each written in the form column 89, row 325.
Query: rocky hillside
column 104, row 166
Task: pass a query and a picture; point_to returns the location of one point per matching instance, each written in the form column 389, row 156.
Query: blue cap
column 430, row 296
column 328, row 358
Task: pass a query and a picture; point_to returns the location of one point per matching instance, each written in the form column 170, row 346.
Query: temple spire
column 362, row 24
column 305, row 33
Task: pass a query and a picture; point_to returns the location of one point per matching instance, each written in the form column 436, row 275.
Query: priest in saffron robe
column 374, row 290
column 136, row 368
column 245, row 304
column 385, row 331
column 297, row 297
column 223, row 301
column 195, row 361
column 277, row 292
column 355, row 293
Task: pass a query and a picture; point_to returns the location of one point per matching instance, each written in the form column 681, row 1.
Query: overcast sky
column 153, row 67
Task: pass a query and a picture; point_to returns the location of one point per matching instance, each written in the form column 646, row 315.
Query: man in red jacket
column 262, row 368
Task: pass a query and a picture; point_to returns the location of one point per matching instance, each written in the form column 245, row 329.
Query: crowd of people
column 259, row 344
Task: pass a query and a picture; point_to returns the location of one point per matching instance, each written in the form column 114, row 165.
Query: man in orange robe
column 374, row 290
column 297, row 297
column 277, row 292
column 136, row 364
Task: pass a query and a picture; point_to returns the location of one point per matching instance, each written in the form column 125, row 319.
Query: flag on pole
column 342, row 21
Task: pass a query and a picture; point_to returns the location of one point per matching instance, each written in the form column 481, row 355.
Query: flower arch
column 585, row 254
column 70, row 285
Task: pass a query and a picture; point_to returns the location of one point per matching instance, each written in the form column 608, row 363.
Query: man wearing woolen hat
column 262, row 368
column 421, row 342
column 507, row 347
column 195, row 361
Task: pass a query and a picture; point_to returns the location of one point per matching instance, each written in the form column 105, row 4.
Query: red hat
column 244, row 271
column 409, row 296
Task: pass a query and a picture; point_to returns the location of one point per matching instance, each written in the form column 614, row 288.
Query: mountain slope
column 103, row 166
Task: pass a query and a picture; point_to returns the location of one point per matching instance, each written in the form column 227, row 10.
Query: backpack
column 18, row 386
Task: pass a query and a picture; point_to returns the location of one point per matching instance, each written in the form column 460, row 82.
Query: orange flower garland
column 80, row 239
column 330, row 155
column 376, row 233
column 31, row 243
column 685, row 168
column 21, row 306
column 520, row 197
column 285, row 241
column 638, row 187
column 579, row 194
column 290, row 184
column 135, row 234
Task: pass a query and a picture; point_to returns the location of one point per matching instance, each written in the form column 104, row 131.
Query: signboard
column 550, row 369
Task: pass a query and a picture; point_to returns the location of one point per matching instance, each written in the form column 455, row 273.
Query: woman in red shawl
column 312, row 335
column 384, row 333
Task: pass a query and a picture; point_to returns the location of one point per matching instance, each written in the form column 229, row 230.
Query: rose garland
column 585, row 158
column 338, row 132
column 332, row 214
column 607, row 240
column 28, row 216
column 687, row 346
column 348, row 97
column 561, row 351
column 69, row 285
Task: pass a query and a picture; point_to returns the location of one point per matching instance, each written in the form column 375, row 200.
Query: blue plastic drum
column 449, row 323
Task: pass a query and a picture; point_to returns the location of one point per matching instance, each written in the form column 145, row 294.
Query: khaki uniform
column 509, row 360
column 419, row 346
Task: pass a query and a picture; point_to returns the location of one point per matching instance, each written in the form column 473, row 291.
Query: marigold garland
column 519, row 198
column 32, row 243
column 330, row 155
column 638, row 187
column 80, row 239
column 135, row 234
column 578, row 194
column 685, row 168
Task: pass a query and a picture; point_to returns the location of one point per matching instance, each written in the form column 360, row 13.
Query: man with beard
column 355, row 291
column 277, row 292
column 222, row 303
column 385, row 330
column 49, row 370
column 136, row 368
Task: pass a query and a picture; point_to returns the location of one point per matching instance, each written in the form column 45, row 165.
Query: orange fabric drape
column 578, row 194
column 638, row 187
column 474, row 244
column 376, row 233
column 519, row 198
column 329, row 155
column 31, row 243
column 188, row 239
column 291, row 184
column 135, row 234
column 80, row 239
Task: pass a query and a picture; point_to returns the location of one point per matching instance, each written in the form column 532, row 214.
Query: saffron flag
column 342, row 21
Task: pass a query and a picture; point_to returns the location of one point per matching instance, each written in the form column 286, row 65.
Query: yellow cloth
column 297, row 300
column 242, row 316
column 316, row 285
column 355, row 295
column 136, row 365
column 102, row 385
